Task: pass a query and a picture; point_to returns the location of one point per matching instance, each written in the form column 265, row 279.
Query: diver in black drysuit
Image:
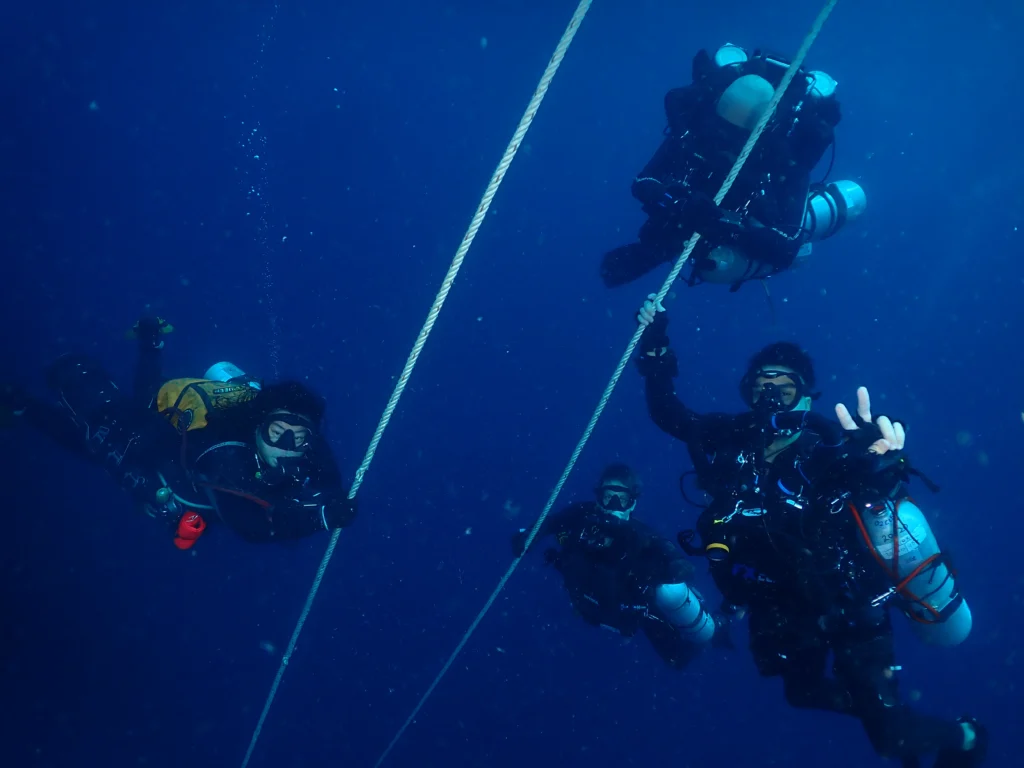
column 228, row 473
column 612, row 565
column 779, row 549
column 767, row 213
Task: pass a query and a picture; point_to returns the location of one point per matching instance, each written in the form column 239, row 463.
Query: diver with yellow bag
column 222, row 449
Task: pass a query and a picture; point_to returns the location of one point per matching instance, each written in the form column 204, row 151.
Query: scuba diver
column 809, row 533
column 773, row 212
column 222, row 449
column 623, row 576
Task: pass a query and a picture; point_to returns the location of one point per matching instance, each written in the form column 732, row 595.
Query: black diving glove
column 334, row 508
column 655, row 341
column 655, row 336
column 338, row 510
column 679, row 207
column 148, row 330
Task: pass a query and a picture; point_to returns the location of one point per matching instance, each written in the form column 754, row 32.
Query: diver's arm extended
column 659, row 367
column 300, row 517
column 553, row 525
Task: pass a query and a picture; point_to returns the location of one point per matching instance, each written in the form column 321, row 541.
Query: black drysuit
column 610, row 568
column 798, row 569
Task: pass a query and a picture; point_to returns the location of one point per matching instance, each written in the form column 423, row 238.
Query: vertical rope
column 623, row 361
column 478, row 219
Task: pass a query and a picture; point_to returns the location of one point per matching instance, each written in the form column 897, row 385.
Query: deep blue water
column 129, row 166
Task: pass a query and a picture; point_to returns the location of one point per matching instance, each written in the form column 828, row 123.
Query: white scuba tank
column 931, row 600
column 832, row 206
column 225, row 371
column 829, row 209
column 819, row 85
column 730, row 54
column 680, row 606
column 727, row 264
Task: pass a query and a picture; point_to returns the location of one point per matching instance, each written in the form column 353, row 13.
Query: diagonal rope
column 627, row 355
column 435, row 310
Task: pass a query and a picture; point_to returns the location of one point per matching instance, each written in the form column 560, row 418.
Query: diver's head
column 617, row 491
column 779, row 378
column 290, row 422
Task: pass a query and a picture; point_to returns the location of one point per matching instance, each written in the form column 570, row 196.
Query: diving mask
column 616, row 500
column 287, row 432
column 283, row 440
column 774, row 390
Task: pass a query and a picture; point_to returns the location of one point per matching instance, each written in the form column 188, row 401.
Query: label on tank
column 909, row 539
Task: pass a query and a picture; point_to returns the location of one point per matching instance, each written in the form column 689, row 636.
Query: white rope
column 478, row 219
column 627, row 355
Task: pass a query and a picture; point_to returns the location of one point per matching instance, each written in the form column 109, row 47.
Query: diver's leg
column 19, row 407
column 630, row 262
column 807, row 687
column 867, row 669
column 100, row 422
column 791, row 648
column 87, row 398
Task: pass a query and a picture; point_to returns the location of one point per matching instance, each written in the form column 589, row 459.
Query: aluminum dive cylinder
column 923, row 582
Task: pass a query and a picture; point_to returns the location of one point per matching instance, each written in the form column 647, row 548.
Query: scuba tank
column 680, row 607
column 829, row 208
column 729, row 265
column 900, row 538
column 225, row 371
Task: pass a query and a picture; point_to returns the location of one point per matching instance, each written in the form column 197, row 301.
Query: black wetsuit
column 215, row 471
column 794, row 562
column 763, row 213
column 610, row 568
